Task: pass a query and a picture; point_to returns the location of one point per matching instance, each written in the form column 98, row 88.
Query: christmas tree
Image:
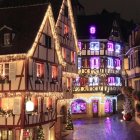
column 40, row 134
column 69, row 124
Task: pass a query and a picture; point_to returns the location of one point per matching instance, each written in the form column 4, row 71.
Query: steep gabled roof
column 25, row 22
column 103, row 23
column 56, row 4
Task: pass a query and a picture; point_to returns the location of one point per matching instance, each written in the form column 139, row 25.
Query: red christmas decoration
column 127, row 117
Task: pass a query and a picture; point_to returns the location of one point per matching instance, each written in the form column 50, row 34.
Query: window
column 64, row 53
column 94, row 46
column 110, row 63
column 79, row 63
column 7, row 39
column 80, row 45
column 72, row 57
column 111, row 81
column 4, row 71
column 118, row 65
column 93, row 81
column 85, row 63
column 40, row 70
column 117, row 48
column 78, row 106
column 77, row 81
column 118, row 81
column 68, row 83
column 54, row 73
column 108, row 106
column 110, row 47
column 66, row 30
column 66, row 11
column 48, row 41
column 94, row 63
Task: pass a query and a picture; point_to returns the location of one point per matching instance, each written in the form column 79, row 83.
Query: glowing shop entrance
column 95, row 108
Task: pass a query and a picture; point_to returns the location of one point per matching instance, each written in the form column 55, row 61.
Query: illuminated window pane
column 111, row 81
column 79, row 62
column 110, row 46
column 64, row 53
column 110, row 63
column 78, row 106
column 118, row 64
column 72, row 57
column 93, row 81
column 92, row 30
column 80, row 45
column 117, row 48
column 94, row 46
column 39, row 70
column 54, row 72
column 108, row 106
column 94, row 63
column 118, row 81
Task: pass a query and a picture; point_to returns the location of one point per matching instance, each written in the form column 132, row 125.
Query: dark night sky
column 129, row 9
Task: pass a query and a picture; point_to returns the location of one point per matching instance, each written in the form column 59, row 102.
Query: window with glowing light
column 118, row 81
column 118, row 64
column 54, row 73
column 4, row 71
column 110, row 63
column 80, row 45
column 77, row 81
column 93, row 81
column 108, row 106
column 68, row 83
column 64, row 53
column 78, row 106
column 94, row 46
column 92, row 30
column 117, row 48
column 110, row 47
column 79, row 62
column 111, row 81
column 72, row 57
column 39, row 70
column 94, row 62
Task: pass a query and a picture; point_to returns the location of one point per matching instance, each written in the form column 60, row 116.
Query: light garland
column 49, row 15
column 69, row 74
column 12, row 57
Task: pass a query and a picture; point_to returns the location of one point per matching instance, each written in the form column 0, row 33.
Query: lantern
column 48, row 102
column 29, row 106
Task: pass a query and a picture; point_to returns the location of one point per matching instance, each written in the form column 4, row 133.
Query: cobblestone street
column 109, row 128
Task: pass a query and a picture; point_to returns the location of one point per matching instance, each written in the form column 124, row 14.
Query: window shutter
column 17, row 106
column 12, row 71
column 34, row 70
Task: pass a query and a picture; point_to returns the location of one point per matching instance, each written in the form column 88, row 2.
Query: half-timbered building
column 131, row 68
column 99, row 66
column 38, row 52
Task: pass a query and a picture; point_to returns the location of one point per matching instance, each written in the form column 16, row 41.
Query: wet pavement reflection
column 108, row 128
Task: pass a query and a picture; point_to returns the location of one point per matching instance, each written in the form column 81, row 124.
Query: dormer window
column 110, row 47
column 7, row 39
